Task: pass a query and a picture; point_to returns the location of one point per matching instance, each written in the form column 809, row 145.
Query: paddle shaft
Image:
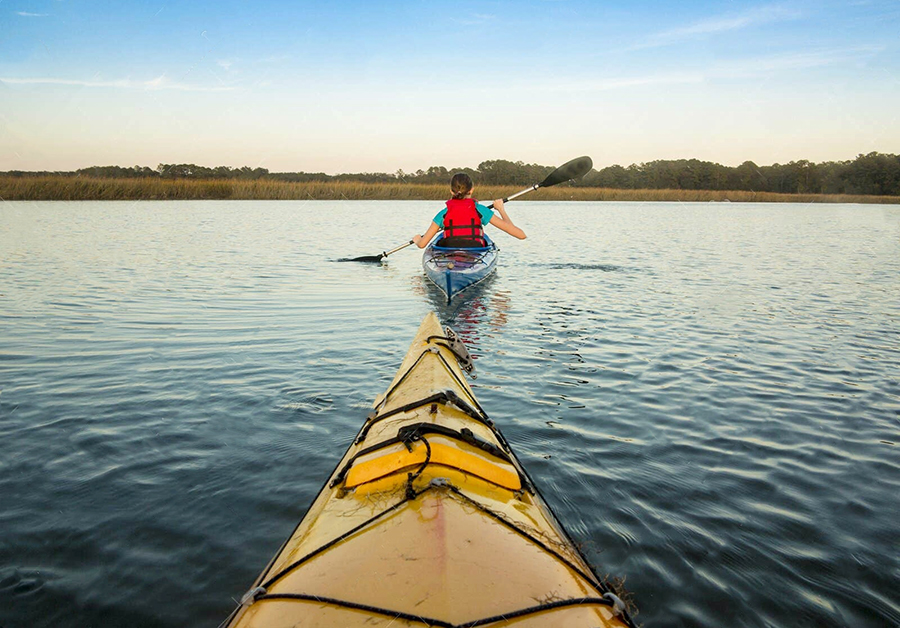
column 375, row 258
column 518, row 194
column 394, row 250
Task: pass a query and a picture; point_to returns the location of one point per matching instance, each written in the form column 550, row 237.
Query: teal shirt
column 486, row 214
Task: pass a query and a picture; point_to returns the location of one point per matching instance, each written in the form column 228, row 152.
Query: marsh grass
column 54, row 188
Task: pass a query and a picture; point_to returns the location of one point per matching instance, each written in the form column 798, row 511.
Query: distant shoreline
column 57, row 188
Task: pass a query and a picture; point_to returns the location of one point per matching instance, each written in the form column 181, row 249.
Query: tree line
column 870, row 174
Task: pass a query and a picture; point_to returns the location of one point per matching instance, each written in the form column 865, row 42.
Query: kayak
column 429, row 519
column 455, row 269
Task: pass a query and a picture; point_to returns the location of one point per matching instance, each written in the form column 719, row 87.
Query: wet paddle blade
column 574, row 169
column 364, row 258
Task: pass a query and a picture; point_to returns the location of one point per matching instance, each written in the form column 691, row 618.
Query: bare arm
column 503, row 221
column 423, row 240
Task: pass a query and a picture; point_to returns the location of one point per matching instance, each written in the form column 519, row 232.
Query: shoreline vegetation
column 870, row 178
column 85, row 188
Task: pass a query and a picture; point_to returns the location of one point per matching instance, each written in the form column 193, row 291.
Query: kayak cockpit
column 453, row 269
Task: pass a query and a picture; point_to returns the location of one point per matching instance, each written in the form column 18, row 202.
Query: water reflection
column 480, row 310
column 606, row 268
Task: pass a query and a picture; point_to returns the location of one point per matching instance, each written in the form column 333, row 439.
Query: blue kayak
column 454, row 269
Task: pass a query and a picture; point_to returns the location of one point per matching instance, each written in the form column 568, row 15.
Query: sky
column 385, row 86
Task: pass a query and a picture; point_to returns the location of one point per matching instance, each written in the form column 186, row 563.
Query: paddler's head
column 461, row 185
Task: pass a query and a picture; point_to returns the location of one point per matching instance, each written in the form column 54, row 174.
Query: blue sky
column 369, row 86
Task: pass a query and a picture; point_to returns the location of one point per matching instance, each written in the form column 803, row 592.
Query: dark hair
column 461, row 184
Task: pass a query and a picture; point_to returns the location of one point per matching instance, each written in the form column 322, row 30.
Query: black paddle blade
column 574, row 169
column 364, row 258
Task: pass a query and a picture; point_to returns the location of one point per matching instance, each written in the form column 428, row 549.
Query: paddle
column 569, row 171
column 375, row 258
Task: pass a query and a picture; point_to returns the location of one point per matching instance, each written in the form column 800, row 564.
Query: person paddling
column 463, row 218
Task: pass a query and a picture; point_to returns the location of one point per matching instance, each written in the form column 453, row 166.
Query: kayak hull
column 429, row 519
column 453, row 270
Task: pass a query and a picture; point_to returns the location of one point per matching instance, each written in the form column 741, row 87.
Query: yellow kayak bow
column 429, row 519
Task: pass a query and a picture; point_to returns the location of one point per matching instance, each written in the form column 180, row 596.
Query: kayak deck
column 453, row 270
column 429, row 520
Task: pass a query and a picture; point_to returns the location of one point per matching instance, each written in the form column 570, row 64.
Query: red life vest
column 463, row 221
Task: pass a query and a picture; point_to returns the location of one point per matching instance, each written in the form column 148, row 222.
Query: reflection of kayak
column 455, row 269
column 429, row 520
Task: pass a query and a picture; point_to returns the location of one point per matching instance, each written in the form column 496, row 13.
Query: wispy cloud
column 721, row 24
column 274, row 59
column 625, row 82
column 475, row 19
column 27, row 14
column 790, row 61
column 225, row 64
column 159, row 83
column 740, row 69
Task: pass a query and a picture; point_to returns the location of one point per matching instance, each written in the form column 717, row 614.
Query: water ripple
column 707, row 398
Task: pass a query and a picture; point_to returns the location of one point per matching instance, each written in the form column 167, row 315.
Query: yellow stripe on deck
column 444, row 451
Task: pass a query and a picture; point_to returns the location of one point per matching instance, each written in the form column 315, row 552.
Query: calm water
column 707, row 394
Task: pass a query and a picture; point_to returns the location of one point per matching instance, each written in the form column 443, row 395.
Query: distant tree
column 503, row 172
column 872, row 173
column 747, row 177
column 437, row 174
column 115, row 172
